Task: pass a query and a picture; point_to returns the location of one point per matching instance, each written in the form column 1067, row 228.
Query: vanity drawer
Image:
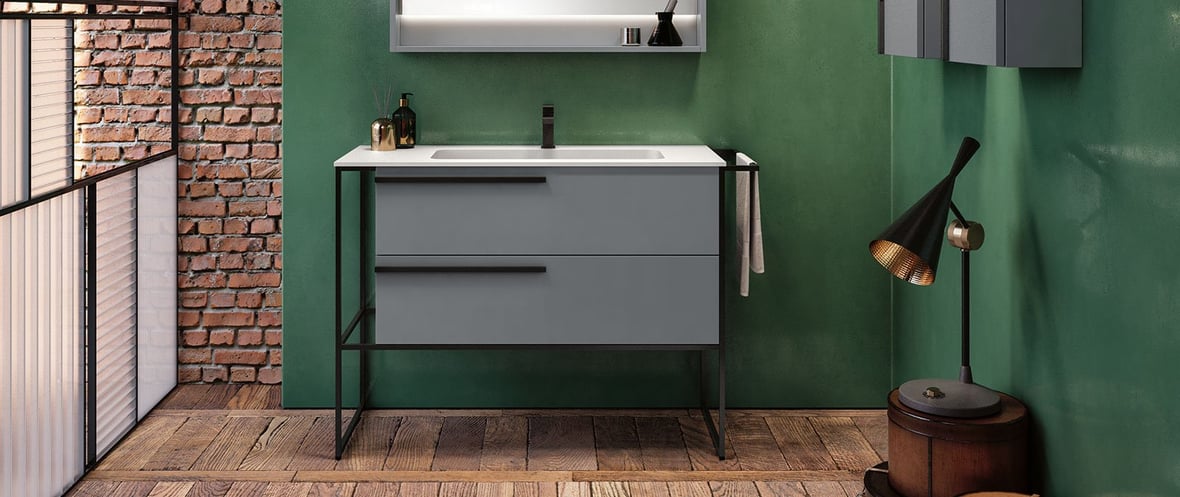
column 551, row 300
column 560, row 211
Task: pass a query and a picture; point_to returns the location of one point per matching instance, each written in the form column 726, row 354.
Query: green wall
column 1076, row 293
column 796, row 84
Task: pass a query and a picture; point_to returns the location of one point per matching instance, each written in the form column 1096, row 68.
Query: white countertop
column 421, row 156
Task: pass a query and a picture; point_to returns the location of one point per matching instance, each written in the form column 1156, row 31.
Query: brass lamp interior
column 902, row 263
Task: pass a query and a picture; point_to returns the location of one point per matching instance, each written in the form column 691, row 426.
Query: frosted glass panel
column 156, row 241
column 116, row 310
column 41, row 450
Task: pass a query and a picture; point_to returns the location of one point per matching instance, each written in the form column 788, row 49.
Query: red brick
column 154, row 133
column 249, row 300
column 278, row 262
column 209, row 227
column 270, row 78
column 231, row 261
column 106, row 41
column 237, row 115
column 192, row 97
column 207, row 280
column 276, row 357
column 274, row 243
column 256, row 280
column 209, row 115
column 193, row 244
column 202, row 189
column 202, row 208
column 236, row 226
column 195, row 338
column 188, row 374
column 211, row 152
column 265, row 7
column 211, row 6
column 115, row 114
column 213, row 374
column 202, row 263
column 145, row 116
column 153, row 24
column 88, row 115
column 266, row 151
column 101, row 96
column 185, row 226
column 270, row 376
column 241, row 77
column 274, row 337
column 154, row 58
column 189, row 40
column 230, row 190
column 234, row 244
column 87, row 77
column 241, row 374
column 133, row 40
column 270, row 318
column 215, row 24
column 219, row 318
column 211, row 76
column 162, row 40
column 241, row 40
column 262, row 115
column 249, row 357
column 193, row 299
column 249, row 337
column 114, row 77
column 269, row 42
column 258, row 261
column 255, row 96
column 264, row 23
column 266, row 170
column 221, row 337
column 270, row 133
column 108, row 134
column 274, row 208
column 228, row 135
column 112, row 58
column 253, row 208
column 194, row 356
column 237, row 151
column 237, row 6
column 136, row 152
column 262, row 226
column 187, row 318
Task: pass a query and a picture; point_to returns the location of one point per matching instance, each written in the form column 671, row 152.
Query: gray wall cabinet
column 1006, row 33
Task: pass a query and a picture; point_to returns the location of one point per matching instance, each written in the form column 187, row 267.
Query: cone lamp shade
column 909, row 248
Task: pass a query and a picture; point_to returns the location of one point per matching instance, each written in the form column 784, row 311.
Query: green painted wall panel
column 796, row 84
column 1076, row 293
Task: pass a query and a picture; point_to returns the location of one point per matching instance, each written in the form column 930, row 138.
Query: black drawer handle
column 461, row 269
column 463, row 179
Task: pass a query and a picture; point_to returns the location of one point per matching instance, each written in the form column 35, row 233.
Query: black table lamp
column 909, row 249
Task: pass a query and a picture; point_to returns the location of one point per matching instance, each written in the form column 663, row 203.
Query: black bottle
column 405, row 124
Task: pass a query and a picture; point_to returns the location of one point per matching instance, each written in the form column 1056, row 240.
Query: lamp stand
column 950, row 398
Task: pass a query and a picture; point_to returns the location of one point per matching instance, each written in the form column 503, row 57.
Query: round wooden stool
column 935, row 456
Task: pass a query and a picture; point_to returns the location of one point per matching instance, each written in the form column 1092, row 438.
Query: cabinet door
column 547, row 300
column 913, row 28
column 558, row 211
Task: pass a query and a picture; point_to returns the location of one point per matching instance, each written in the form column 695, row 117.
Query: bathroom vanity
column 578, row 247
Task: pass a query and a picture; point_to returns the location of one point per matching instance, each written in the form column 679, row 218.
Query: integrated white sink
column 547, row 154
column 526, row 156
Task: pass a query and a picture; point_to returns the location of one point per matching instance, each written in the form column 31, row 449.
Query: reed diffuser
column 381, row 135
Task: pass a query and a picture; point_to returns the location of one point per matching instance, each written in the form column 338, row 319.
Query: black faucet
column 547, row 126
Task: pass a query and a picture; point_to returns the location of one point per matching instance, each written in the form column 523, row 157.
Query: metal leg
column 337, row 337
column 721, row 402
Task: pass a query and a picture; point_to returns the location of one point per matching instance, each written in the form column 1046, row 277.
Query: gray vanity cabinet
column 495, row 256
column 912, row 28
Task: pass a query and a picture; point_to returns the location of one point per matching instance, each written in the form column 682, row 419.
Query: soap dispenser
column 405, row 123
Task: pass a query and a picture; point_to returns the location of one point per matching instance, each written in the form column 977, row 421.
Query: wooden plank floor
column 237, row 441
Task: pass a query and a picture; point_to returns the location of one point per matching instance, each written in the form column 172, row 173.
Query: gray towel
column 749, row 224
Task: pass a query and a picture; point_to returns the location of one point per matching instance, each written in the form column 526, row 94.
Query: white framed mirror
column 538, row 25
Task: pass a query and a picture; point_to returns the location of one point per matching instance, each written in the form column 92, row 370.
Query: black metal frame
column 362, row 318
column 90, row 186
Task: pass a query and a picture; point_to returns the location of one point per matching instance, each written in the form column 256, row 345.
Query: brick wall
column 230, row 188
